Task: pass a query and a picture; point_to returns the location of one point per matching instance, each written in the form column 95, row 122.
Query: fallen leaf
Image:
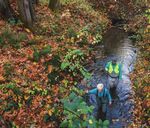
column 2, row 79
column 50, row 68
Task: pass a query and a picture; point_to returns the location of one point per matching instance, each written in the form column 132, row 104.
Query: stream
column 116, row 45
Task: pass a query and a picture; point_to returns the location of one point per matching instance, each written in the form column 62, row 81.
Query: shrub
column 8, row 69
column 97, row 39
column 78, row 114
column 71, row 33
column 14, row 39
column 11, row 102
column 38, row 54
column 73, row 63
column 82, row 4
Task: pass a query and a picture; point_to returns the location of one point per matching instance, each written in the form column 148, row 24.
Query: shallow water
column 116, row 45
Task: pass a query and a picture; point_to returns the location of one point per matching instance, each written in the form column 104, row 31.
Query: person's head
column 114, row 61
column 100, row 87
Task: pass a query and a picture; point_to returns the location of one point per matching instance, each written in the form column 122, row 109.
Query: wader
column 102, row 103
column 112, row 81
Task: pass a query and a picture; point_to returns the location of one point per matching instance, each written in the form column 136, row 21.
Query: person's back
column 114, row 74
column 113, row 68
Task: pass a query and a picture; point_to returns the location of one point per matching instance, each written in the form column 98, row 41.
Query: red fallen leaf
column 111, row 6
column 146, row 103
column 56, row 100
column 55, row 89
column 22, row 60
column 1, row 69
column 19, row 71
column 31, row 36
column 30, row 52
column 2, row 23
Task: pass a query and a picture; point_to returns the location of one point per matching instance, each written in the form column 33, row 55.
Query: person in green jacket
column 103, row 97
column 114, row 73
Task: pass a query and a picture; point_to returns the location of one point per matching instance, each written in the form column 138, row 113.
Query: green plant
column 54, row 77
column 45, row 2
column 78, row 114
column 71, row 33
column 98, row 28
column 12, row 101
column 97, row 39
column 90, row 30
column 73, row 63
column 83, row 41
column 38, row 54
column 36, row 90
column 81, row 4
column 14, row 21
column 14, row 39
column 135, row 37
column 32, row 42
column 84, row 31
column 1, row 40
column 10, row 86
column 8, row 69
column 147, row 14
column 54, row 29
column 60, row 38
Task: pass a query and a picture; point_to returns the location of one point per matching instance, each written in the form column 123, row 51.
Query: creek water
column 116, row 45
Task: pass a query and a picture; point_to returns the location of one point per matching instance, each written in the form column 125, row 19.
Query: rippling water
column 116, row 45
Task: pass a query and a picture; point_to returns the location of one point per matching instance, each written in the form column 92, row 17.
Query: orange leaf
column 50, row 68
column 2, row 79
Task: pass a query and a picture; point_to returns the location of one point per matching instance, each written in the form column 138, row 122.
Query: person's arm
column 120, row 72
column 93, row 91
column 106, row 67
column 108, row 96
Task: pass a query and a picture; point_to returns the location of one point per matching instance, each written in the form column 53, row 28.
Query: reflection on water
column 116, row 42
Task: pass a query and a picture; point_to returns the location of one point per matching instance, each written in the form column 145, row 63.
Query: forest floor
column 140, row 80
column 30, row 63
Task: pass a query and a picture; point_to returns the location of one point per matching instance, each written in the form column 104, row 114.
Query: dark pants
column 102, row 107
column 112, row 82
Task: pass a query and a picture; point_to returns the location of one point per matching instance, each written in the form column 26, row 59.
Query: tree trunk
column 5, row 9
column 26, row 11
column 54, row 4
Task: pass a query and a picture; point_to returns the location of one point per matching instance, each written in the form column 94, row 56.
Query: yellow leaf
column 50, row 112
column 34, row 63
column 27, row 30
column 72, row 40
column 26, row 97
column 90, row 122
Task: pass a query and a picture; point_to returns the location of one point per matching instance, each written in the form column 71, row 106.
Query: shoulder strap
column 104, row 94
column 97, row 93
